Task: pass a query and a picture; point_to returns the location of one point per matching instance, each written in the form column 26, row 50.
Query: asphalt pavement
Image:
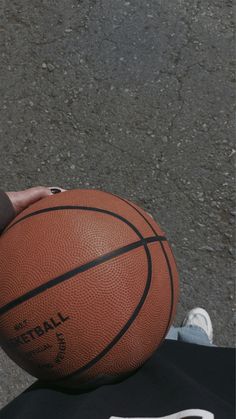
column 135, row 98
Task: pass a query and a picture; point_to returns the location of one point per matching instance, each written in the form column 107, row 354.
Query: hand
column 23, row 199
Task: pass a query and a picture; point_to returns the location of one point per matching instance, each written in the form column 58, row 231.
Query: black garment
column 7, row 212
column 179, row 376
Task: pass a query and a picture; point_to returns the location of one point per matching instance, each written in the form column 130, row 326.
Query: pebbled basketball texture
column 88, row 288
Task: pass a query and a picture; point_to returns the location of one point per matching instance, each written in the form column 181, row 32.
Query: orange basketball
column 88, row 288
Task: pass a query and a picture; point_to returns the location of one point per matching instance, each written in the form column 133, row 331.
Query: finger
column 39, row 192
column 22, row 199
column 56, row 189
column 31, row 195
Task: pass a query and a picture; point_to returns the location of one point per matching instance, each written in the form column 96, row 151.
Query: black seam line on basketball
column 70, row 274
column 122, row 199
column 75, row 207
column 124, row 328
column 167, row 261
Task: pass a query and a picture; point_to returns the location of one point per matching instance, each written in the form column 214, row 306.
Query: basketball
column 88, row 288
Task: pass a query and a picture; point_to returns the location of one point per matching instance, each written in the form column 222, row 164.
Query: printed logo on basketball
column 60, row 355
column 39, row 330
column 62, row 347
column 20, row 325
column 38, row 350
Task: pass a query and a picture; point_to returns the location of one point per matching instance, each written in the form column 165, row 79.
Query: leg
column 189, row 334
column 196, row 328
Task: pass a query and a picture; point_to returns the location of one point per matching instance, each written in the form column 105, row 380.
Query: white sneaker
column 199, row 317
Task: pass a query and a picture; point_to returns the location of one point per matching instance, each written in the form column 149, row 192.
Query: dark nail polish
column 55, row 190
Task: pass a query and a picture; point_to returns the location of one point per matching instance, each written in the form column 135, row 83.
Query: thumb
column 32, row 195
column 22, row 199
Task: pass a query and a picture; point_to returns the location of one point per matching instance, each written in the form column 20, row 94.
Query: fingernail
column 55, row 190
